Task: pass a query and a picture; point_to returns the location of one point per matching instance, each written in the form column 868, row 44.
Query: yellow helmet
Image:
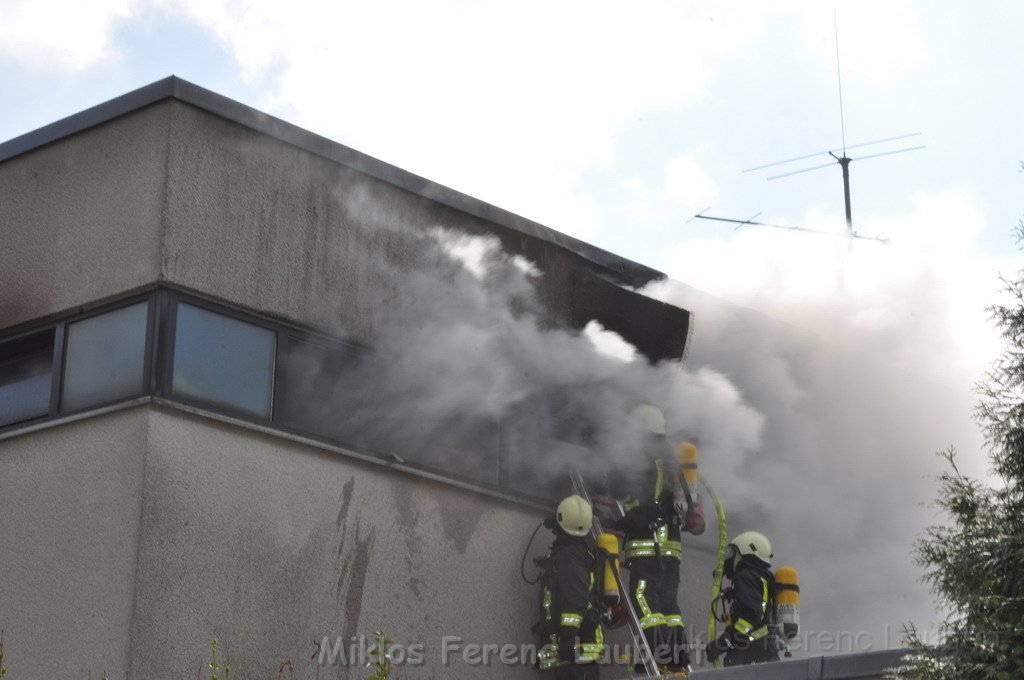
column 754, row 543
column 650, row 418
column 575, row 516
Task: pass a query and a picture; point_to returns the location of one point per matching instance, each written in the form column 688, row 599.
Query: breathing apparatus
column 688, row 505
column 785, row 613
column 609, row 543
column 787, row 604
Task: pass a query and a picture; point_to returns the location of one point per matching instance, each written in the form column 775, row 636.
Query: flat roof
column 614, row 267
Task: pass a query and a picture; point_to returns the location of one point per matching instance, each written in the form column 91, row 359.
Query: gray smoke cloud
column 853, row 415
column 469, row 374
column 819, row 431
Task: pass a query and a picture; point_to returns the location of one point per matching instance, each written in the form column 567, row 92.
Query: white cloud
column 881, row 39
column 530, row 91
column 60, row 33
column 685, row 180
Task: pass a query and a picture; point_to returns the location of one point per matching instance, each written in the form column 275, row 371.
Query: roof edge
column 617, row 268
column 838, row 667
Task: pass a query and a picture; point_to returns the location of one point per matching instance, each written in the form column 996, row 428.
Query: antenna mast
column 839, row 77
column 843, row 161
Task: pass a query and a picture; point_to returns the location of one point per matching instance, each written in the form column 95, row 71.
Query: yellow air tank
column 787, row 601
column 687, row 455
column 610, row 544
column 693, row 522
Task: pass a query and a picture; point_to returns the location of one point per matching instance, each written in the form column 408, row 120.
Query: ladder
column 646, row 655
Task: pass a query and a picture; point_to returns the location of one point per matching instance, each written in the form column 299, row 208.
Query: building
column 167, row 473
column 192, row 293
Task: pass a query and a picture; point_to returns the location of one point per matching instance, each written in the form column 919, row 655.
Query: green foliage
column 381, row 662
column 974, row 563
column 215, row 664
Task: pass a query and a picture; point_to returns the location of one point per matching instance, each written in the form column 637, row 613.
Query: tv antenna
column 843, row 161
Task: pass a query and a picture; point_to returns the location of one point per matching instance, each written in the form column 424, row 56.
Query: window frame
column 290, row 336
column 157, row 382
column 57, row 408
column 56, row 358
column 168, row 339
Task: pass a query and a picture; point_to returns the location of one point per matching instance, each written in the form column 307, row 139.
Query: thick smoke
column 855, row 408
column 470, row 375
column 819, row 431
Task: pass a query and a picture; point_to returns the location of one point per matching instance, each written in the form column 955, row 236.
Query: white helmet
column 575, row 516
column 754, row 543
column 650, row 418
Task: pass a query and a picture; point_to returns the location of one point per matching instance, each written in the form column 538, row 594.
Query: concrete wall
column 132, row 539
column 81, row 219
column 170, row 192
column 267, row 544
column 301, row 238
column 70, row 502
column 305, row 238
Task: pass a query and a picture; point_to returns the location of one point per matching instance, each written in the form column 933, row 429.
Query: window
column 176, row 346
column 105, row 357
column 334, row 390
column 319, row 386
column 223, row 361
column 26, row 374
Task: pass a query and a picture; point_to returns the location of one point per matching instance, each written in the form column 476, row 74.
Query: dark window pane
column 542, row 470
column 461, row 446
column 223, row 361
column 26, row 366
column 348, row 396
column 319, row 387
column 105, row 357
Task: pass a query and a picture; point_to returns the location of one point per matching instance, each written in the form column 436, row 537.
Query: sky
column 617, row 123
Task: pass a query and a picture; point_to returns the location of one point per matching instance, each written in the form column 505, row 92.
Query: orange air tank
column 787, row 601
column 687, row 455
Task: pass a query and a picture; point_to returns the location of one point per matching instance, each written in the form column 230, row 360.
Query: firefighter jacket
column 650, row 524
column 749, row 624
column 571, row 602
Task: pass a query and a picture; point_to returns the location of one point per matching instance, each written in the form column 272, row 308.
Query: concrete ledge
column 842, row 667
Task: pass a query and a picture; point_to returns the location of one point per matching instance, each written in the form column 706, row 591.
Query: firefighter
column 654, row 513
column 747, row 638
column 571, row 596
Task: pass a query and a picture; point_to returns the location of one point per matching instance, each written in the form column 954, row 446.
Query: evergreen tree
column 975, row 563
